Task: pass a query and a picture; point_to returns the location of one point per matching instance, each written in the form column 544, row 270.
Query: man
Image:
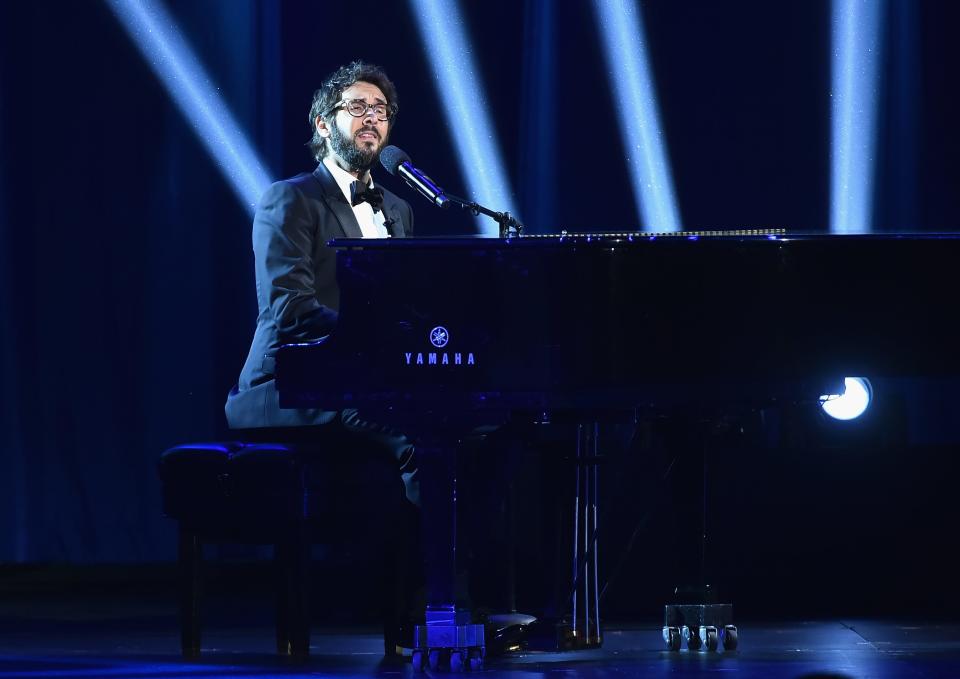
column 351, row 116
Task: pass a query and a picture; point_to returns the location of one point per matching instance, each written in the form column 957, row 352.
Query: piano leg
column 448, row 639
column 703, row 622
column 585, row 619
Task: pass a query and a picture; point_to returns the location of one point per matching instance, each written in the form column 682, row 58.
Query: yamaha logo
column 439, row 337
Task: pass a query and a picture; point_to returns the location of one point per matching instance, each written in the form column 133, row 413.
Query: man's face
column 357, row 142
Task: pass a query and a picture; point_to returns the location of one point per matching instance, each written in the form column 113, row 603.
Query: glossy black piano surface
column 590, row 321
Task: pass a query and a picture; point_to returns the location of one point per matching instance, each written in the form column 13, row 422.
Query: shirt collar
column 343, row 178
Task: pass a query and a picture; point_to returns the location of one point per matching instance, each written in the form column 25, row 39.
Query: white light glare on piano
column 461, row 93
column 622, row 34
column 155, row 34
column 852, row 403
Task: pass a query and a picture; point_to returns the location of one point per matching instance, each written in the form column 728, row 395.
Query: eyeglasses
column 358, row 108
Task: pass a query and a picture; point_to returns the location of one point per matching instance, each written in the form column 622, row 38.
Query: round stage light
column 852, row 403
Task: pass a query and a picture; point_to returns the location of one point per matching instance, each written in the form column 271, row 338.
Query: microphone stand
column 509, row 226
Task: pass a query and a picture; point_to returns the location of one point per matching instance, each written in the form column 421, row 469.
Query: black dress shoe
column 396, row 638
column 505, row 632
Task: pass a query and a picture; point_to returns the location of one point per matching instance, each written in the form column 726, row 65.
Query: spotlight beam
column 460, row 91
column 624, row 48
column 155, row 34
column 857, row 46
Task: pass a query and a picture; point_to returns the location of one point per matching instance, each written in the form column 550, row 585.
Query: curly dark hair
column 332, row 89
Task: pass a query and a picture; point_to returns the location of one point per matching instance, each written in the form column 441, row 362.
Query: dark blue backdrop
column 125, row 266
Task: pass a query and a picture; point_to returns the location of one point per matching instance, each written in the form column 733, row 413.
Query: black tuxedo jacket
column 297, row 293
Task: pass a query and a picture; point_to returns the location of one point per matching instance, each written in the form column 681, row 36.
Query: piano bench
column 247, row 494
column 276, row 494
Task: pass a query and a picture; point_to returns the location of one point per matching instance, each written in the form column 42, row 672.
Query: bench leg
column 400, row 580
column 190, row 556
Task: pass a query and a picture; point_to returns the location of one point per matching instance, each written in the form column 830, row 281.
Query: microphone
column 398, row 163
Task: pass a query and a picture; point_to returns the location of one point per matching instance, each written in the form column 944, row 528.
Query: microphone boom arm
column 509, row 226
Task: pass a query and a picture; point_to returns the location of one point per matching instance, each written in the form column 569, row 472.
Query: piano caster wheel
column 416, row 659
column 729, row 635
column 476, row 659
column 708, row 637
column 456, row 660
column 671, row 637
column 692, row 639
column 433, row 660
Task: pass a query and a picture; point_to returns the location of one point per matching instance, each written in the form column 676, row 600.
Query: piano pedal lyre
column 585, row 616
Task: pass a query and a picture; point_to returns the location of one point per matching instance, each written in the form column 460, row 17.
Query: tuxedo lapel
column 338, row 205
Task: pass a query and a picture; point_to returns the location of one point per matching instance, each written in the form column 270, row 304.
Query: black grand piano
column 438, row 336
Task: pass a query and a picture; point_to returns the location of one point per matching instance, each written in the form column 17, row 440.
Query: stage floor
column 146, row 646
column 130, row 630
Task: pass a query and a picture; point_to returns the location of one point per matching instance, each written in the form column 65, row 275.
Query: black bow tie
column 360, row 192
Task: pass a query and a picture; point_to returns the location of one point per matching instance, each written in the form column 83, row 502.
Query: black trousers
column 349, row 441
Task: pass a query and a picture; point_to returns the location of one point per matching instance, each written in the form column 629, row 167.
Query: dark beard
column 357, row 158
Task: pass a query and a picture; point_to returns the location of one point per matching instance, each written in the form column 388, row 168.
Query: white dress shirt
column 371, row 223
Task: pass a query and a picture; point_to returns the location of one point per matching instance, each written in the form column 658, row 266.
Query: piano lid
column 618, row 237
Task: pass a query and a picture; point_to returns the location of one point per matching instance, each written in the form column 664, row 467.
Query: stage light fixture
column 635, row 99
column 157, row 37
column 852, row 403
column 857, row 46
column 461, row 95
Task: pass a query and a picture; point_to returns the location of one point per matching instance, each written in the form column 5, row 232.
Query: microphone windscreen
column 391, row 157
